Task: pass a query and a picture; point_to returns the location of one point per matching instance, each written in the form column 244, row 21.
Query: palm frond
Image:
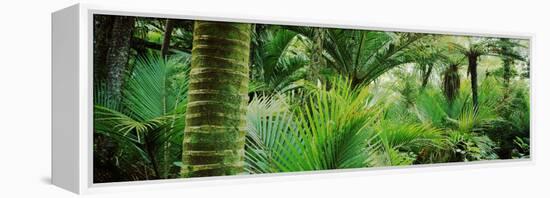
column 150, row 116
column 330, row 132
column 268, row 123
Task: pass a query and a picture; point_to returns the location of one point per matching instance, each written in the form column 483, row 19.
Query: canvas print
column 178, row 98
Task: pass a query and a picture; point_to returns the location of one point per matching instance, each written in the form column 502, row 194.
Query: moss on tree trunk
column 103, row 25
column 112, row 35
column 118, row 54
column 214, row 136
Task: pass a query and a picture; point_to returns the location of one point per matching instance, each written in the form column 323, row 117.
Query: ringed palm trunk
column 214, row 136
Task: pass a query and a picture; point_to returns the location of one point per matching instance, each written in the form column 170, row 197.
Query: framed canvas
column 155, row 99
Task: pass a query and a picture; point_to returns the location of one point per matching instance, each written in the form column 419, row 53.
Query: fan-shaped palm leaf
column 150, row 116
column 330, row 132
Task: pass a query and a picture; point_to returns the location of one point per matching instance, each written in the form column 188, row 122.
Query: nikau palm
column 148, row 121
column 214, row 136
column 363, row 56
column 330, row 132
column 199, row 98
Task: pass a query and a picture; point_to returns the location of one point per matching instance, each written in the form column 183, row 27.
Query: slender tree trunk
column 169, row 27
column 317, row 60
column 167, row 36
column 507, row 74
column 472, row 66
column 427, row 76
column 506, row 139
column 214, row 136
column 507, row 62
column 154, row 161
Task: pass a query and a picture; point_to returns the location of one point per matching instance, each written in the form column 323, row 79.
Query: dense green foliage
column 319, row 98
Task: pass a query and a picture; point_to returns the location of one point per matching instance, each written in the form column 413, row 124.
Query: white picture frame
column 72, row 124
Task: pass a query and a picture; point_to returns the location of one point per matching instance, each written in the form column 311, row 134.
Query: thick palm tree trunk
column 214, row 136
column 472, row 66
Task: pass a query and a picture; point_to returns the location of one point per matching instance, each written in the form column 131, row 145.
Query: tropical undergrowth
column 144, row 128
